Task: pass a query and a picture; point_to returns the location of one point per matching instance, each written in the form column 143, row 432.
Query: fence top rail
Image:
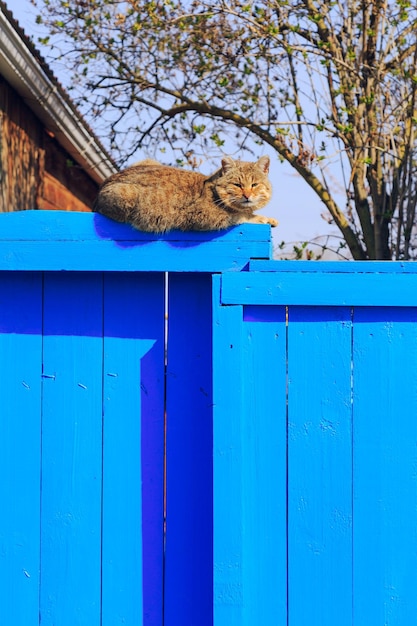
column 335, row 267
column 75, row 241
column 286, row 288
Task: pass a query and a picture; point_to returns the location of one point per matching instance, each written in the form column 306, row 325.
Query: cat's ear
column 263, row 164
column 227, row 164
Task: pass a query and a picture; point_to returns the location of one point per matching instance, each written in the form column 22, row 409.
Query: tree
column 330, row 86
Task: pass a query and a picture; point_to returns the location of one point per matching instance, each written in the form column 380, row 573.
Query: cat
column 157, row 198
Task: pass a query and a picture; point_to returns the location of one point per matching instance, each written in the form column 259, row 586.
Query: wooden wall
column 35, row 171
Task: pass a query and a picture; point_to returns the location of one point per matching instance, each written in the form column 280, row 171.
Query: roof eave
column 45, row 98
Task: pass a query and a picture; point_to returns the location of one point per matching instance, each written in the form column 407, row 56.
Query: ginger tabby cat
column 157, row 198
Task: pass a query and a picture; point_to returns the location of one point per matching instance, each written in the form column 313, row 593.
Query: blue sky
column 297, row 208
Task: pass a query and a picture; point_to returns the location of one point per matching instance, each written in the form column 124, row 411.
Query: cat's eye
column 255, row 184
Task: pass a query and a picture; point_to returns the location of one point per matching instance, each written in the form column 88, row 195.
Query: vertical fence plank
column 249, row 395
column 189, row 540
column 263, row 427
column 71, row 450
column 385, row 466
column 319, row 467
column 133, row 463
column 20, row 446
column 227, row 459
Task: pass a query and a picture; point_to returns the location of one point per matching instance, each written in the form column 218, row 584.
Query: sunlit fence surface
column 192, row 434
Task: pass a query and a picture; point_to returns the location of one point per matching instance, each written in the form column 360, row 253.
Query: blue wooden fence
column 251, row 461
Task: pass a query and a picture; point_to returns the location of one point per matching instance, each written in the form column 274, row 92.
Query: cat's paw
column 261, row 219
column 257, row 219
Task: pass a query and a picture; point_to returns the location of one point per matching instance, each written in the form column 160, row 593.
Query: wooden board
column 322, row 289
column 133, row 449
column 319, row 466
column 384, row 466
column 250, row 517
column 188, row 597
column 20, row 453
column 55, row 240
column 70, row 590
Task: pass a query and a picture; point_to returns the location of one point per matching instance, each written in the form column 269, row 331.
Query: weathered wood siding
column 35, row 171
column 22, row 154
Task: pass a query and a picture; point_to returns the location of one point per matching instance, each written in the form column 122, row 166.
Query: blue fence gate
column 192, row 434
